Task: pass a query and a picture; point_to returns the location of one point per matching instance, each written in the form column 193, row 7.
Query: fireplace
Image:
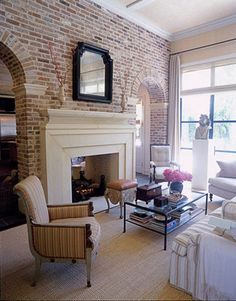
column 106, row 139
column 90, row 175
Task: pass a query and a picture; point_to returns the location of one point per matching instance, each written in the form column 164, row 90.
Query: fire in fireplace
column 83, row 188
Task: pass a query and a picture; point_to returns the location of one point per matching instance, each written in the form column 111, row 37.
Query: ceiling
column 175, row 19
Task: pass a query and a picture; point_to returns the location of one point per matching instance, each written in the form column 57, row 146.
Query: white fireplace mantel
column 70, row 133
column 73, row 116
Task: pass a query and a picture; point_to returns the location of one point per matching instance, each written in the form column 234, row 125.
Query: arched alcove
column 149, row 89
column 21, row 67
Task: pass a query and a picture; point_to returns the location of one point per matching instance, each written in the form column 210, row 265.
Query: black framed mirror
column 92, row 74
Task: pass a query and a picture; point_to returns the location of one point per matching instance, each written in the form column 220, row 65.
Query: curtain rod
column 204, row 46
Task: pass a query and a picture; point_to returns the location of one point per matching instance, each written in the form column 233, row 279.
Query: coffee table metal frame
column 162, row 211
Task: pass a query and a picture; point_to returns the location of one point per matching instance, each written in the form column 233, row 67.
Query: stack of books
column 182, row 214
column 195, row 210
column 140, row 217
column 160, row 226
column 175, row 200
column 187, row 212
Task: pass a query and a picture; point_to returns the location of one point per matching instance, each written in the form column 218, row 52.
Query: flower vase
column 123, row 103
column 176, row 187
column 61, row 94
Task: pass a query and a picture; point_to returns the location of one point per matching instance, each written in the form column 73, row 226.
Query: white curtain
column 174, row 107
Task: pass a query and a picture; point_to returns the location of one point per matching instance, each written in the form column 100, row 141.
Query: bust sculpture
column 203, row 128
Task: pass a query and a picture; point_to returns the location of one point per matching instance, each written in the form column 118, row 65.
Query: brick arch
column 154, row 89
column 154, row 83
column 157, row 90
column 22, row 70
column 13, row 65
column 16, row 58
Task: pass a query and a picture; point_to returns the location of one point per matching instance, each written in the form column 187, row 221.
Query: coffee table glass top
column 188, row 198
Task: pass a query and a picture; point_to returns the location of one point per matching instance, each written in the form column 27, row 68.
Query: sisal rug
column 100, row 204
column 129, row 266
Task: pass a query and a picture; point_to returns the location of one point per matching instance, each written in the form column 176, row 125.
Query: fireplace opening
column 90, row 175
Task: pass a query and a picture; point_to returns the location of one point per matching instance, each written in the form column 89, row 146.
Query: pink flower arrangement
column 174, row 175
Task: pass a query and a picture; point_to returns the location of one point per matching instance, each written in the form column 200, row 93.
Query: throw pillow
column 223, row 227
column 227, row 169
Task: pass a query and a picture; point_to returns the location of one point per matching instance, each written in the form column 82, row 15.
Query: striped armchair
column 66, row 232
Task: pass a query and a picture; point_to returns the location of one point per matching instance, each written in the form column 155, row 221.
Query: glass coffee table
column 168, row 218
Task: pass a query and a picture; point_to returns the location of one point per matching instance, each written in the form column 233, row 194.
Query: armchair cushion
column 224, row 183
column 159, row 172
column 82, row 221
column 227, row 169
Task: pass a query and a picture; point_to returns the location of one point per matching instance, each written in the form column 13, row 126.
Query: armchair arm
column 229, row 209
column 152, row 164
column 70, row 210
column 61, row 241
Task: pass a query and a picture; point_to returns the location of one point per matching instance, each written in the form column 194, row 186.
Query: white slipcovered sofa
column 224, row 183
column 203, row 257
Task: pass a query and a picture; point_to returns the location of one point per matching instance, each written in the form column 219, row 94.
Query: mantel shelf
column 57, row 116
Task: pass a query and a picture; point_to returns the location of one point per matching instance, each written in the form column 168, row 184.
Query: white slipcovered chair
column 224, row 183
column 160, row 160
column 56, row 233
column 203, row 257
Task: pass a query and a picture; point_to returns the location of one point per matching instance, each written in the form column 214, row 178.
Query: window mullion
column 212, row 76
column 211, row 117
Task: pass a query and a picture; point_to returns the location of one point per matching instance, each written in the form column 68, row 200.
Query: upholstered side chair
column 160, row 160
column 66, row 232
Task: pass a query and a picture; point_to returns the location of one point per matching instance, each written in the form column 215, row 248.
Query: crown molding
column 127, row 14
column 209, row 26
column 193, row 31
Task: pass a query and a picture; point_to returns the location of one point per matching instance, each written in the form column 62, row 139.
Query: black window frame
column 212, row 122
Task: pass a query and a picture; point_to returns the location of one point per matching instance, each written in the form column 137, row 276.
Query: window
column 224, row 121
column 225, row 75
column 210, row 91
column 192, row 107
column 196, row 79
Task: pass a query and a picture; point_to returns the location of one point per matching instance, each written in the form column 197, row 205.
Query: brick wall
column 5, row 80
column 26, row 27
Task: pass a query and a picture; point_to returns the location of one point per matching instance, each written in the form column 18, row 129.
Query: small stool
column 120, row 191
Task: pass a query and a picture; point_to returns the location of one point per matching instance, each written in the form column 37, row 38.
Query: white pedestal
column 203, row 158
